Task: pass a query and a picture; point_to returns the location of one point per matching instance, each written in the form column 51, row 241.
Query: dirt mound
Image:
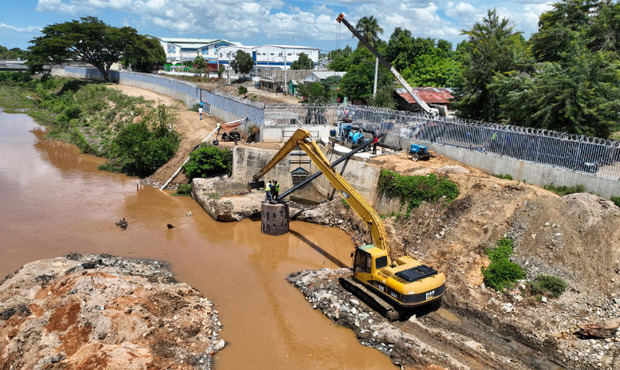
column 102, row 311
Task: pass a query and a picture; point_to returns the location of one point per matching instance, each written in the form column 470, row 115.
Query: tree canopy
column 13, row 53
column 143, row 53
column 370, row 30
column 92, row 41
column 242, row 63
column 302, row 62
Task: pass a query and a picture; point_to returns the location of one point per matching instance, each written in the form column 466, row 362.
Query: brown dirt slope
column 102, row 311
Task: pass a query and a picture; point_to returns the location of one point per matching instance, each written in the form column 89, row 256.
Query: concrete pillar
column 274, row 218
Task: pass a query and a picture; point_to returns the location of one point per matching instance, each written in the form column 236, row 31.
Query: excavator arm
column 303, row 139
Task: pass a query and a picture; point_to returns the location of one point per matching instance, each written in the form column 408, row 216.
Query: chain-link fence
column 576, row 152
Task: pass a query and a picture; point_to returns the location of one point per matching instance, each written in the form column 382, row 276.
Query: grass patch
column 345, row 203
column 413, row 190
column 505, row 177
column 565, row 190
column 184, row 189
column 209, row 161
column 501, row 272
column 548, row 285
column 616, row 200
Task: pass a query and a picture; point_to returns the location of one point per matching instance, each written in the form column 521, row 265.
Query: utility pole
column 374, row 88
column 285, row 84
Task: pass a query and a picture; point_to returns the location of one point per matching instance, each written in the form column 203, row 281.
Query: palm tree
column 369, row 28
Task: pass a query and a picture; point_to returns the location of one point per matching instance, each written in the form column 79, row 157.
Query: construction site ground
column 253, row 94
column 575, row 237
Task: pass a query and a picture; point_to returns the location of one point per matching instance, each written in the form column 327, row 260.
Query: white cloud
column 29, row 29
column 277, row 20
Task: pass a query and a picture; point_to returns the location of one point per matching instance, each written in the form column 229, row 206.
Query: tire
column 216, row 142
column 415, row 157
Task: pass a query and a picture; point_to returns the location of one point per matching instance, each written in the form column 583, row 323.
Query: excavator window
column 363, row 262
column 381, row 262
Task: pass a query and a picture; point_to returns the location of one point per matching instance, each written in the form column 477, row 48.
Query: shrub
column 184, row 189
column 565, row 190
column 616, row 200
column 242, row 90
column 209, row 161
column 505, row 177
column 414, row 190
column 501, row 272
column 345, row 203
column 549, row 285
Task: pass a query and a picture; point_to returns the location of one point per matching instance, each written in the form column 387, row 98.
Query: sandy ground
column 253, row 94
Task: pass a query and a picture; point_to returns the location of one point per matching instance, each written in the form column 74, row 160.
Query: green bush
column 616, row 200
column 414, row 190
column 184, row 189
column 565, row 190
column 209, row 161
column 242, row 90
column 501, row 272
column 505, row 177
column 549, row 285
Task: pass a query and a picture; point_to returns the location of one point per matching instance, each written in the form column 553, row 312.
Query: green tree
column 357, row 83
column 14, row 53
column 314, row 93
column 87, row 40
column 200, row 65
column 302, row 62
column 143, row 53
column 492, row 47
column 339, row 59
column 369, row 28
column 242, row 63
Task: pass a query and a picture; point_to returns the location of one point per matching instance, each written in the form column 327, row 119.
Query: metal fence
column 576, row 152
column 229, row 108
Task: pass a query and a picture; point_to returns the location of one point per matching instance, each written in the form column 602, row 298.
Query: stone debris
column 599, row 330
column 104, row 311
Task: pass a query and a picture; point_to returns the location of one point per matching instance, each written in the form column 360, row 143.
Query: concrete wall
column 280, row 134
column 363, row 176
column 533, row 173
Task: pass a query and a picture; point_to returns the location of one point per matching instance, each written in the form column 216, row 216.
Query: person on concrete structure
column 275, row 189
column 218, row 127
column 201, row 104
column 375, row 141
column 268, row 191
column 200, row 112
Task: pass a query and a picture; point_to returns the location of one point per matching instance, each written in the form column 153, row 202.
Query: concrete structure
column 272, row 79
column 183, row 49
column 274, row 218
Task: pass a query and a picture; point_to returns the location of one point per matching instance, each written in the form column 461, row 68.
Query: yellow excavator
column 388, row 286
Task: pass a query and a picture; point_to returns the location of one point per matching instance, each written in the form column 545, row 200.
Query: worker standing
column 268, row 194
column 218, row 126
column 375, row 141
column 200, row 112
column 275, row 189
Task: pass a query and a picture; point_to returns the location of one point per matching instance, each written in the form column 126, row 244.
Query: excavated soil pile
column 91, row 311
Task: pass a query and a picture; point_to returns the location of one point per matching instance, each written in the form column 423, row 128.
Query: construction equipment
column 401, row 80
column 417, row 152
column 388, row 286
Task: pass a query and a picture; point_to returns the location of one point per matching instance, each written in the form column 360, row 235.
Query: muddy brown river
column 54, row 200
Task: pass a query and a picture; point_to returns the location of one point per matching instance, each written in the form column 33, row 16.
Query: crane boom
column 400, row 78
column 368, row 214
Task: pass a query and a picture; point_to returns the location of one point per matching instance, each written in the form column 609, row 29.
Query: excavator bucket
column 257, row 184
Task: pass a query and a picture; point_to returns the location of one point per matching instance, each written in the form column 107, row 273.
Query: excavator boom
column 303, row 139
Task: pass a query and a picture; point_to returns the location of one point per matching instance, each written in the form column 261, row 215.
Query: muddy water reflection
column 53, row 200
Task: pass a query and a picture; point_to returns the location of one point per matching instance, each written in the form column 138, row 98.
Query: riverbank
column 83, row 311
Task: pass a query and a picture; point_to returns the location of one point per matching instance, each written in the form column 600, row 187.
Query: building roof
column 430, row 95
column 193, row 43
column 321, row 75
column 291, row 47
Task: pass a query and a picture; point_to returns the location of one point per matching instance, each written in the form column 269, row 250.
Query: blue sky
column 258, row 22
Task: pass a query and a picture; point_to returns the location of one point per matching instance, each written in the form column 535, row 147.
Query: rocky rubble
column 92, row 311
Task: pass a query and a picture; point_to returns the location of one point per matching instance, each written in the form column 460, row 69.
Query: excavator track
column 370, row 298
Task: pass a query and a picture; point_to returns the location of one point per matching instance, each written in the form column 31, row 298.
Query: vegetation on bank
column 136, row 137
column 502, row 272
column 565, row 190
column 209, row 161
column 413, row 190
column 616, row 200
column 548, row 285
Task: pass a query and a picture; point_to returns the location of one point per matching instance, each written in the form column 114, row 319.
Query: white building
column 269, row 56
column 180, row 50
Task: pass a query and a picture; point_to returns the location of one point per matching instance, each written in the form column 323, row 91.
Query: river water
column 54, row 200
